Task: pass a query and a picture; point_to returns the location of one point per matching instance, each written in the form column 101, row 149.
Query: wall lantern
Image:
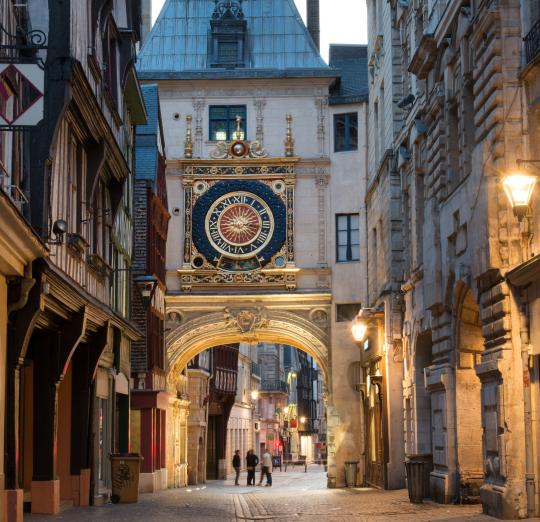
column 519, row 188
column 59, row 228
column 302, row 420
column 254, row 394
column 146, row 286
column 362, row 322
column 286, row 410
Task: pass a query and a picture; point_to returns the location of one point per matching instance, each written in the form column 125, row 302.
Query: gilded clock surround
column 207, row 182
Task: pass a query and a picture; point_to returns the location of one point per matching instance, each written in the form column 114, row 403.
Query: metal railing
column 13, row 191
column 274, row 385
column 532, row 42
column 255, row 369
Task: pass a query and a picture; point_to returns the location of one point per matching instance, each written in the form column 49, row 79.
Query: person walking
column 236, row 463
column 266, row 468
column 251, row 463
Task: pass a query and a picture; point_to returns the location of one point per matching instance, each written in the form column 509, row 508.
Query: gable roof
column 352, row 64
column 278, row 43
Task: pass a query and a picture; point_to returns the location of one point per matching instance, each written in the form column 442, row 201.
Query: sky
column 342, row 21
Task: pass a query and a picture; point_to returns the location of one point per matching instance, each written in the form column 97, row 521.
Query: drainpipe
column 529, row 459
column 366, row 180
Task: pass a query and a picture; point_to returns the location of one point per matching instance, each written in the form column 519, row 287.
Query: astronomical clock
column 239, row 218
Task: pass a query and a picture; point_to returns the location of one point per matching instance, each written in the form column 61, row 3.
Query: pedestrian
column 236, row 463
column 251, row 463
column 266, row 468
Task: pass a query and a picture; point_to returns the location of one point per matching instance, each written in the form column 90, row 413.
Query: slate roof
column 351, row 62
column 279, row 44
column 146, row 145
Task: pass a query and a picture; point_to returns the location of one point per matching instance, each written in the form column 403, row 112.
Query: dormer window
column 228, row 52
column 228, row 35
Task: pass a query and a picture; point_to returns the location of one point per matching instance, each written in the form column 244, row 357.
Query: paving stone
column 294, row 496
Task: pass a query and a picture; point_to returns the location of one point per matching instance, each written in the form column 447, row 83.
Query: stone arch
column 469, row 343
column 210, row 329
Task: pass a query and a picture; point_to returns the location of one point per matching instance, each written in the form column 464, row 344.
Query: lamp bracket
column 535, row 162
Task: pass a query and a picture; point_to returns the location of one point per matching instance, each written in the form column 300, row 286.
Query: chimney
column 313, row 24
column 146, row 19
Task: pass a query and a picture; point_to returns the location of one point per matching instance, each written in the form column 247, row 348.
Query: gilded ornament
column 220, row 151
column 289, row 141
column 256, row 150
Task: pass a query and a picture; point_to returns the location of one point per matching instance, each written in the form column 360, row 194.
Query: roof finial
column 289, row 142
column 238, row 132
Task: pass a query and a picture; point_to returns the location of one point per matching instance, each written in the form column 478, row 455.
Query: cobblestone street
column 294, row 496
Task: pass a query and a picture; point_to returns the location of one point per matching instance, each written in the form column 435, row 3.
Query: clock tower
column 240, row 218
column 266, row 159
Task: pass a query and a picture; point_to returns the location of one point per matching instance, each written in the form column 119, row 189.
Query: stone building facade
column 463, row 115
column 312, row 161
column 382, row 363
column 241, row 432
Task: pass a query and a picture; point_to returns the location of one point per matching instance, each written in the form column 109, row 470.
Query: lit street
column 294, row 496
column 290, row 239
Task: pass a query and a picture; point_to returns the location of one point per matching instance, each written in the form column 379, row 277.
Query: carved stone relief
column 198, row 107
column 322, row 183
column 322, row 104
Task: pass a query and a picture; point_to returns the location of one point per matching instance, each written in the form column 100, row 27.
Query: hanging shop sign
column 21, row 94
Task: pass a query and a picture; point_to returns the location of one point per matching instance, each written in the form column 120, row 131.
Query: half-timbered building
column 68, row 370
column 150, row 400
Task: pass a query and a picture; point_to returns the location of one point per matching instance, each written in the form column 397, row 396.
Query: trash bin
column 351, row 472
column 125, row 468
column 415, row 478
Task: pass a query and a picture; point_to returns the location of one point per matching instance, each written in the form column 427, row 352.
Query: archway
column 197, row 323
column 469, row 345
column 261, row 325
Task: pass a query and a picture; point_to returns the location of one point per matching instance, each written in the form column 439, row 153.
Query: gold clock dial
column 239, row 225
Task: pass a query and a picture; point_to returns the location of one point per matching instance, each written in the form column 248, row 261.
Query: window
column 223, row 122
column 346, row 312
column 348, row 237
column 345, row 132
column 228, row 52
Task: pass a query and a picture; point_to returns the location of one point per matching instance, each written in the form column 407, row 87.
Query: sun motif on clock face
column 239, row 225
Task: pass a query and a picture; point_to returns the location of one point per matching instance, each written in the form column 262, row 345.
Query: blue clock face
column 239, row 225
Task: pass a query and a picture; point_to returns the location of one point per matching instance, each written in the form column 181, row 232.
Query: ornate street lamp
column 146, row 286
column 519, row 188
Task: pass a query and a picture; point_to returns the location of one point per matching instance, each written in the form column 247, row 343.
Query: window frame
column 349, row 244
column 347, row 146
column 228, row 120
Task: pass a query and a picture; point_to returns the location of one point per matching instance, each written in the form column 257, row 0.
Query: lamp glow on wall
column 254, row 394
column 365, row 319
column 519, row 187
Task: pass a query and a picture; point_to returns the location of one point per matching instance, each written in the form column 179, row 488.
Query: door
column 375, row 469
